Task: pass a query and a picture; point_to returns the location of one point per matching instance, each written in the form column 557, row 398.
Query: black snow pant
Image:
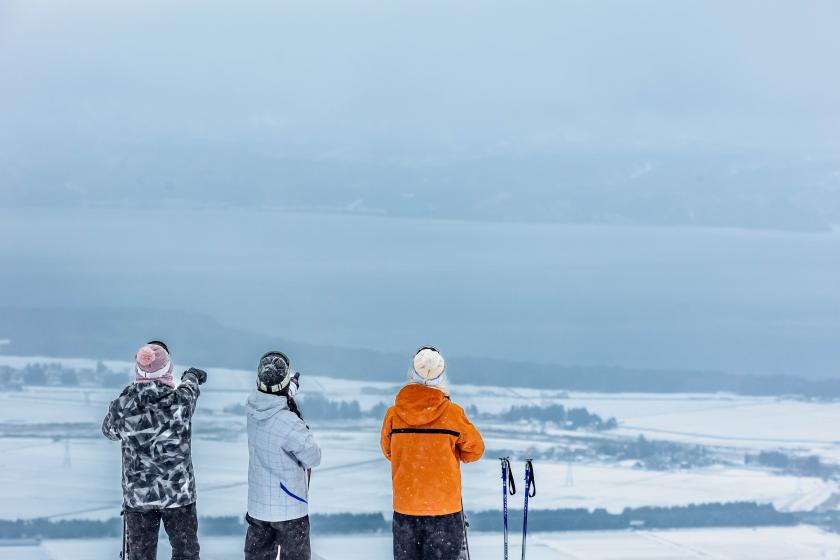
column 181, row 525
column 265, row 537
column 428, row 537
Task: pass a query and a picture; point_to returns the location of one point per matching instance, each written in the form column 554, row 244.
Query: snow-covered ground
column 36, row 481
column 82, row 476
column 79, row 478
column 789, row 543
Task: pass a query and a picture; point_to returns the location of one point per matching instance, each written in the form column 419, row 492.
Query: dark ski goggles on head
column 279, row 354
column 159, row 343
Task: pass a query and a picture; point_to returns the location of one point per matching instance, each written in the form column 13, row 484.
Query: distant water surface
column 743, row 301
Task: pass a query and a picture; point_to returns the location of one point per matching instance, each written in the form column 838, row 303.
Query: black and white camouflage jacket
column 154, row 423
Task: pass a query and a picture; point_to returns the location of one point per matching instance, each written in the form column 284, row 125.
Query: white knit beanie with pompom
column 428, row 368
column 429, row 364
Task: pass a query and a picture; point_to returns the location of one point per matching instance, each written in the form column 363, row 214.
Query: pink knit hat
column 152, row 363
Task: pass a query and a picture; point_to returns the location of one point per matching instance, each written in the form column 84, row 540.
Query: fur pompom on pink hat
column 152, row 363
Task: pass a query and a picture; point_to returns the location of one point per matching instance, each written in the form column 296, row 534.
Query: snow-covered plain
column 355, row 477
column 79, row 477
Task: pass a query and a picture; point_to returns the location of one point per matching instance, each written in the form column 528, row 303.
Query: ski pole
column 530, row 491
column 508, row 485
column 124, row 551
column 465, row 550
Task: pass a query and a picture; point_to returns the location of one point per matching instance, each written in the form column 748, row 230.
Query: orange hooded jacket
column 425, row 435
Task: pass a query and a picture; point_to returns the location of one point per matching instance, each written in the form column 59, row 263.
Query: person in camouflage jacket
column 153, row 420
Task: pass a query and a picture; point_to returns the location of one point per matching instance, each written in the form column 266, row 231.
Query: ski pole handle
column 530, row 479
column 507, row 472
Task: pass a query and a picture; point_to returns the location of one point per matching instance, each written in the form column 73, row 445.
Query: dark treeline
column 569, row 418
column 810, row 465
column 648, row 454
column 336, row 523
column 41, row 374
column 315, row 406
column 738, row 514
column 199, row 339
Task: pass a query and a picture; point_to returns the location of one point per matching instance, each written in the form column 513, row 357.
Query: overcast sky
column 424, row 79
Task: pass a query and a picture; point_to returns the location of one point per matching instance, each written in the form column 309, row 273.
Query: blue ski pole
column 508, row 485
column 530, row 491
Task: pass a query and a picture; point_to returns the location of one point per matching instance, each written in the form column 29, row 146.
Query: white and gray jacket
column 154, row 423
column 280, row 450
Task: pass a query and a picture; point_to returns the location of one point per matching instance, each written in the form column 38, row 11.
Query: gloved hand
column 294, row 384
column 200, row 374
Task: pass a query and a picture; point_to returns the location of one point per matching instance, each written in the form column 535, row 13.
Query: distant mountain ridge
column 754, row 190
column 200, row 340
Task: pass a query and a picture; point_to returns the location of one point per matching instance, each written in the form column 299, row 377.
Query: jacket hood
column 262, row 406
column 418, row 405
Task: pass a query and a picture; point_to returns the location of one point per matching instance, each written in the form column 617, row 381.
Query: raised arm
column 188, row 390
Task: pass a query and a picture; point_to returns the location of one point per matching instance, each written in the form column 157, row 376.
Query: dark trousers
column 181, row 525
column 265, row 537
column 427, row 537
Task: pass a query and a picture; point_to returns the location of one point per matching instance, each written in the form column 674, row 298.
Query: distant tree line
column 315, row 406
column 334, row 523
column 810, row 465
column 738, row 514
column 55, row 374
column 647, row 454
column 571, row 419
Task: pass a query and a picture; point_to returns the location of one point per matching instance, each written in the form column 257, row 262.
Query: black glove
column 200, row 374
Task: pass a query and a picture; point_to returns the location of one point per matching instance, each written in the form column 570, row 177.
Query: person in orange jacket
column 426, row 436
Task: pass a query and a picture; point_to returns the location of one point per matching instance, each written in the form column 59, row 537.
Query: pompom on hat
column 428, row 363
column 428, row 368
column 152, row 363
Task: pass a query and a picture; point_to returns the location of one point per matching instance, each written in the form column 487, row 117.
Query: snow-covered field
column 790, row 543
column 35, row 481
column 713, row 419
column 79, row 477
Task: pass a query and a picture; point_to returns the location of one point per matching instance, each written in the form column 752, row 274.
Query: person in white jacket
column 281, row 452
